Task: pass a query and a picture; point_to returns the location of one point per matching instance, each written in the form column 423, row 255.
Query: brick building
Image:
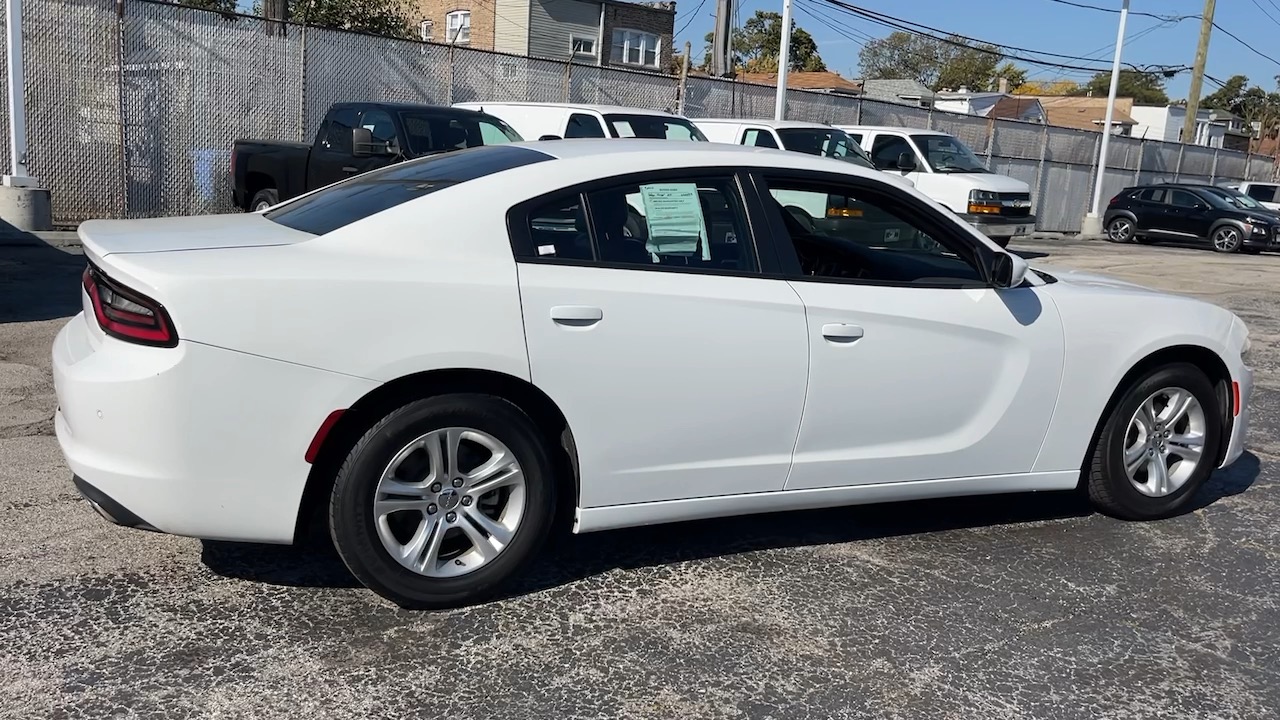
column 594, row 32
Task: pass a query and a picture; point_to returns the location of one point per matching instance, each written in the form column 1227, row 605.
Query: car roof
column 392, row 106
column 891, row 128
column 602, row 109
column 681, row 153
column 775, row 124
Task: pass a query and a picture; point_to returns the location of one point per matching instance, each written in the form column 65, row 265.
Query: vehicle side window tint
column 684, row 224
column 857, row 137
column 341, row 122
column 873, row 236
column 1182, row 198
column 1155, row 195
column 886, row 149
column 558, row 229
column 583, row 126
column 379, row 124
column 759, row 138
column 1262, row 193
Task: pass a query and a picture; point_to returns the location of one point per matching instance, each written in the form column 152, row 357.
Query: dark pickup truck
column 354, row 138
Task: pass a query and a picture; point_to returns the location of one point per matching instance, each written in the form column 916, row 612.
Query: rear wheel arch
column 1206, row 360
column 312, row 517
column 255, row 182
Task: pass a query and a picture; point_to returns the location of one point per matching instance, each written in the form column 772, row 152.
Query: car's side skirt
column 620, row 516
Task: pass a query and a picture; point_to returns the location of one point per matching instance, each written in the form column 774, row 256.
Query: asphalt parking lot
column 1007, row 607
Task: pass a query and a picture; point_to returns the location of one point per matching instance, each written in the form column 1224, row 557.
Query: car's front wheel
column 1227, row 239
column 443, row 501
column 1158, row 445
column 1120, row 230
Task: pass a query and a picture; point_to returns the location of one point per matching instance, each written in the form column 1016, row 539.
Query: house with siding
column 637, row 35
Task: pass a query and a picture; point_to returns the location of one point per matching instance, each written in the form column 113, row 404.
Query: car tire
column 264, row 199
column 396, row 553
column 1226, row 238
column 1124, row 445
column 1120, row 230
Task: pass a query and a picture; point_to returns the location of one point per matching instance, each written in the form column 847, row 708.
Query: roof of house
column 1083, row 113
column 896, row 90
column 806, row 80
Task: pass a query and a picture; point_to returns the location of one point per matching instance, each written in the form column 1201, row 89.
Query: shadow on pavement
column 37, row 280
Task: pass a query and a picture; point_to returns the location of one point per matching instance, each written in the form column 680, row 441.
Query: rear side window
column 759, row 138
column 583, row 126
column 1263, row 193
column 1155, row 195
column 344, row 203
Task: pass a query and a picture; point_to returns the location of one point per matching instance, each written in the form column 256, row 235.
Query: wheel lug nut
column 435, row 487
column 431, row 509
column 457, row 482
column 466, row 501
column 451, row 516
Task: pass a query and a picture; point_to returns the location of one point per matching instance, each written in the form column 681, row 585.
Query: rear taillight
column 128, row 315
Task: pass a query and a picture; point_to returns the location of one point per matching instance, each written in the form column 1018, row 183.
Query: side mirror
column 907, row 161
column 1008, row 270
column 361, row 142
column 550, row 137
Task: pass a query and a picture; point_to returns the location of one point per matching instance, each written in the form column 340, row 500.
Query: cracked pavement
column 998, row 607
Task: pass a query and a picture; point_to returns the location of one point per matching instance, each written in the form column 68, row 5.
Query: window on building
column 632, row 47
column 458, row 27
column 582, row 45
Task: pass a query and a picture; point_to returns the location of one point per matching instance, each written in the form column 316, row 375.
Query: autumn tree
column 1145, row 88
column 757, row 45
column 1051, row 87
column 1249, row 102
column 953, row 62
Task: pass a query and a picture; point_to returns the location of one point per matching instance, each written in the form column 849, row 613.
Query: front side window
column 632, row 47
column 850, row 233
column 458, row 27
column 379, row 125
column 886, row 150
column 946, row 154
column 338, row 130
column 364, row 195
column 656, row 127
column 759, row 138
column 583, row 126
column 1182, row 198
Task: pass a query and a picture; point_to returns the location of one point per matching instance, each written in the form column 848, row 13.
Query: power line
column 982, row 46
column 1175, row 18
column 1255, row 50
column 692, row 16
column 1264, row 11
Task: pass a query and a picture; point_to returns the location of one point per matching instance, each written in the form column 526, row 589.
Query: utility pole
column 784, row 63
column 1197, row 73
column 1093, row 220
column 721, row 63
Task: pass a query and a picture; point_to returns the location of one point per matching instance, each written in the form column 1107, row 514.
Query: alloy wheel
column 1120, row 230
column 1164, row 442
column 1226, row 239
column 449, row 502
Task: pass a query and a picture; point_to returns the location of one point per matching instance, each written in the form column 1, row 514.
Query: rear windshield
column 658, row 127
column 429, row 132
column 828, row 143
column 338, row 205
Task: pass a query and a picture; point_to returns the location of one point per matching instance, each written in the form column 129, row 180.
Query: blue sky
column 1043, row 25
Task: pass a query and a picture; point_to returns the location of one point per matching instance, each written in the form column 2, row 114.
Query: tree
column 219, row 5
column 940, row 64
column 757, row 45
column 1251, row 103
column 1145, row 88
column 1052, row 87
column 378, row 17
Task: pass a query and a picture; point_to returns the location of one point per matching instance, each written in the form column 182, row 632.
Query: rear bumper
column 193, row 440
column 997, row 226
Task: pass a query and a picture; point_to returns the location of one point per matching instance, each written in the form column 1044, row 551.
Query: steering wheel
column 802, row 217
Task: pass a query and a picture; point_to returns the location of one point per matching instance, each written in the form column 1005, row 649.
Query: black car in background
column 1191, row 213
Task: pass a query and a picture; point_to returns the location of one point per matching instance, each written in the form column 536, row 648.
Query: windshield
column 946, row 154
column 429, row 133
column 658, row 127
column 1236, row 198
column 827, row 143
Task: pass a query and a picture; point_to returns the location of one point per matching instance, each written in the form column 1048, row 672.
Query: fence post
column 1137, row 170
column 991, row 137
column 682, row 87
column 1177, row 170
column 1213, row 170
column 857, row 112
column 1038, row 190
column 302, row 91
column 568, row 79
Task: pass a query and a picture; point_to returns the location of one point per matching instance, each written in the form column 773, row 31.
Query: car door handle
column 841, row 333
column 576, row 315
column 350, row 169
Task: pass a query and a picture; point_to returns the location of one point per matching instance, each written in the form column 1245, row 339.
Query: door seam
column 808, row 375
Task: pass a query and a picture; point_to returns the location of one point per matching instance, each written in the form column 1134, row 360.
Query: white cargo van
column 553, row 121
column 1264, row 192
column 805, row 137
column 946, row 170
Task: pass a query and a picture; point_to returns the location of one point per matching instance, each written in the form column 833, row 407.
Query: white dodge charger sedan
column 440, row 360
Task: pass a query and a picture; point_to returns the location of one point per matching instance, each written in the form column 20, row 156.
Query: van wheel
column 1158, row 445
column 443, row 501
column 264, row 199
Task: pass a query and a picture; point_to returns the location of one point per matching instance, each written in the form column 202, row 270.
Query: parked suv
column 1150, row 213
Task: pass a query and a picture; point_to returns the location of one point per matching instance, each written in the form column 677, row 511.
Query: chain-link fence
column 132, row 107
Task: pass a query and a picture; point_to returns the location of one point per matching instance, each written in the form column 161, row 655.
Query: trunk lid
column 208, row 232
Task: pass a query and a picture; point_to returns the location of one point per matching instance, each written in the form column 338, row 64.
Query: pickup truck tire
column 264, row 199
